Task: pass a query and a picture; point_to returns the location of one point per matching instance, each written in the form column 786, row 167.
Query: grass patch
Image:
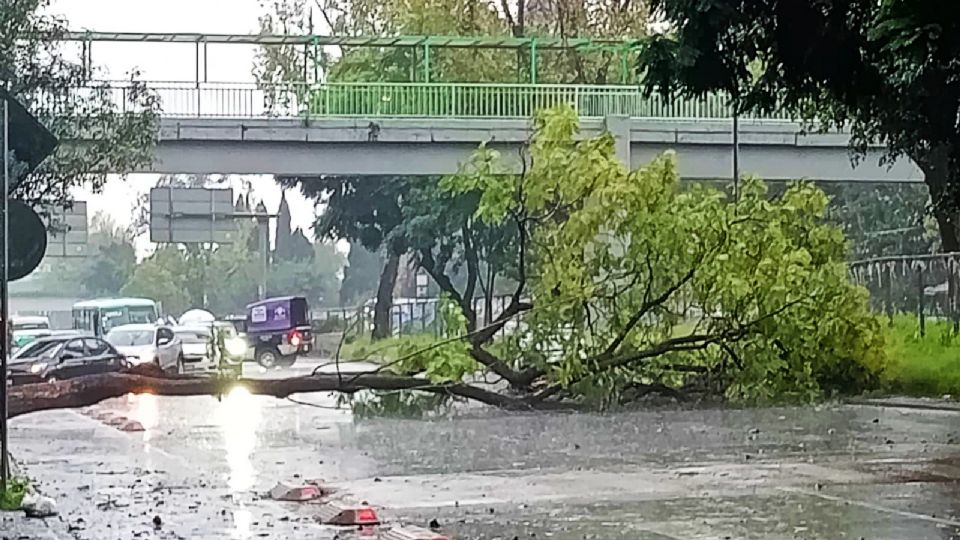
column 12, row 497
column 922, row 366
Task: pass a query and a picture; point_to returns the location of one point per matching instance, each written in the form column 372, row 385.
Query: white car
column 148, row 343
column 200, row 353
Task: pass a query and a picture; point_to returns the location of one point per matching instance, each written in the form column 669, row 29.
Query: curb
column 894, row 403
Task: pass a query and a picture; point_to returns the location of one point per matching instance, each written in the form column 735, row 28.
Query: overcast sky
column 170, row 62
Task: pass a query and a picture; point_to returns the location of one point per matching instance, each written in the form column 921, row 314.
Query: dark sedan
column 57, row 358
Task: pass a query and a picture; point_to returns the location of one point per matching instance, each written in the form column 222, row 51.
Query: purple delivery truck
column 278, row 330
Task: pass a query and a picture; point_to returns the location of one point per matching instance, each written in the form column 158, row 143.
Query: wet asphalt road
column 791, row 473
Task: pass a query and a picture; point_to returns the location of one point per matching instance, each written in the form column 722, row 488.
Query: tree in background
column 366, row 210
column 892, row 77
column 224, row 278
column 163, row 276
column 459, row 253
column 317, row 277
column 35, row 70
column 111, row 259
column 360, row 275
column 290, row 244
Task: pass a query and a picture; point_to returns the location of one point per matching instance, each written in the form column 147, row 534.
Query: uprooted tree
column 624, row 280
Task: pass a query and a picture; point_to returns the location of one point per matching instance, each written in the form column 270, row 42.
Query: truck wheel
column 287, row 361
column 267, row 358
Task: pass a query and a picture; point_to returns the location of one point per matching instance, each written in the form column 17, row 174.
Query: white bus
column 99, row 316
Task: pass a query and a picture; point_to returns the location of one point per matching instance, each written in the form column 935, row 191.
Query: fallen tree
column 625, row 283
column 92, row 389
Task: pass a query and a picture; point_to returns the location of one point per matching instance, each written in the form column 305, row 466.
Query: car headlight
column 236, row 346
column 37, row 368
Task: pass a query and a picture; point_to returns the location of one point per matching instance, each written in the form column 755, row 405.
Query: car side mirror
column 164, row 341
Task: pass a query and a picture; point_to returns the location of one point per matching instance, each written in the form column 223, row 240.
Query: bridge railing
column 417, row 100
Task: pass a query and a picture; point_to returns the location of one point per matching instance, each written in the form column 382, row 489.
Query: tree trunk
column 940, row 180
column 381, row 311
column 92, row 389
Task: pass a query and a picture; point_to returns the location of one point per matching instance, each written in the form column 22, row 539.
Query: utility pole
column 4, row 307
column 736, row 155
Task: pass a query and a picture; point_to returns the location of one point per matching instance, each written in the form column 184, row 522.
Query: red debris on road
column 347, row 515
column 307, row 492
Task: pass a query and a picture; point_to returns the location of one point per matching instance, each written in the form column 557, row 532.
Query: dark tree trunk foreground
column 92, row 389
column 381, row 310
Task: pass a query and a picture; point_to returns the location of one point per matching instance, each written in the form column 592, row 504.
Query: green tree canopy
column 117, row 137
column 640, row 283
column 891, row 75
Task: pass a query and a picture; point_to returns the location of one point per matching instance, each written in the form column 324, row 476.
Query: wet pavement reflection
column 834, row 471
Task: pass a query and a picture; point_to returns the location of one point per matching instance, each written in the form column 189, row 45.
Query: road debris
column 306, row 492
column 38, row 506
column 411, row 533
column 348, row 515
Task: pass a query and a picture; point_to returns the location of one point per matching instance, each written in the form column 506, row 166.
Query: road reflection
column 241, row 524
column 238, row 416
column 143, row 408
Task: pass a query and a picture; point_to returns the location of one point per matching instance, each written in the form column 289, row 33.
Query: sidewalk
column 16, row 526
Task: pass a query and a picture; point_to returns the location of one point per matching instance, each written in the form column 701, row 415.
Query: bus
column 97, row 317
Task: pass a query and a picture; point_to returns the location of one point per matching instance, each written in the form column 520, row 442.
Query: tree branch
column 89, row 390
column 644, row 309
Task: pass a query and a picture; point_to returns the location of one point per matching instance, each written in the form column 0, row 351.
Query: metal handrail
column 416, row 99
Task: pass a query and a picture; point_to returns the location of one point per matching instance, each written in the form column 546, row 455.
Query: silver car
column 148, row 343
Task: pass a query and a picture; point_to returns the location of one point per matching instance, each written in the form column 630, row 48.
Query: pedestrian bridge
column 431, row 128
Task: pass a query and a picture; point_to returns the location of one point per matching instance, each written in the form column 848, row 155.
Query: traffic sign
column 67, row 233
column 28, row 240
column 192, row 216
column 30, row 141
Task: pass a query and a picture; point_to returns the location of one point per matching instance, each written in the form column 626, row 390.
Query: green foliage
column 441, row 358
column 922, row 365
column 111, row 260
column 227, row 276
column 360, row 275
column 562, row 18
column 400, row 404
column 12, row 498
column 626, row 257
column 36, row 71
column 891, row 78
column 162, row 277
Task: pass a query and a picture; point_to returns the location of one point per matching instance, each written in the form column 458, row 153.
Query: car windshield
column 38, row 349
column 130, row 338
column 193, row 336
column 19, row 327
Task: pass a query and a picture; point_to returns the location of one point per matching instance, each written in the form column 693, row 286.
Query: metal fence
column 407, row 316
column 401, row 100
column 925, row 285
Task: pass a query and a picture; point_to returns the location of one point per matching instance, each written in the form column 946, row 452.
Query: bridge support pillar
column 619, row 127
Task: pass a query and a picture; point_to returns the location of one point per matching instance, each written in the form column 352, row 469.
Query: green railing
column 411, row 100
column 463, row 100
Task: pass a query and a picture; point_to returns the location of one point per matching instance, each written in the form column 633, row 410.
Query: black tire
column 287, row 361
column 268, row 358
